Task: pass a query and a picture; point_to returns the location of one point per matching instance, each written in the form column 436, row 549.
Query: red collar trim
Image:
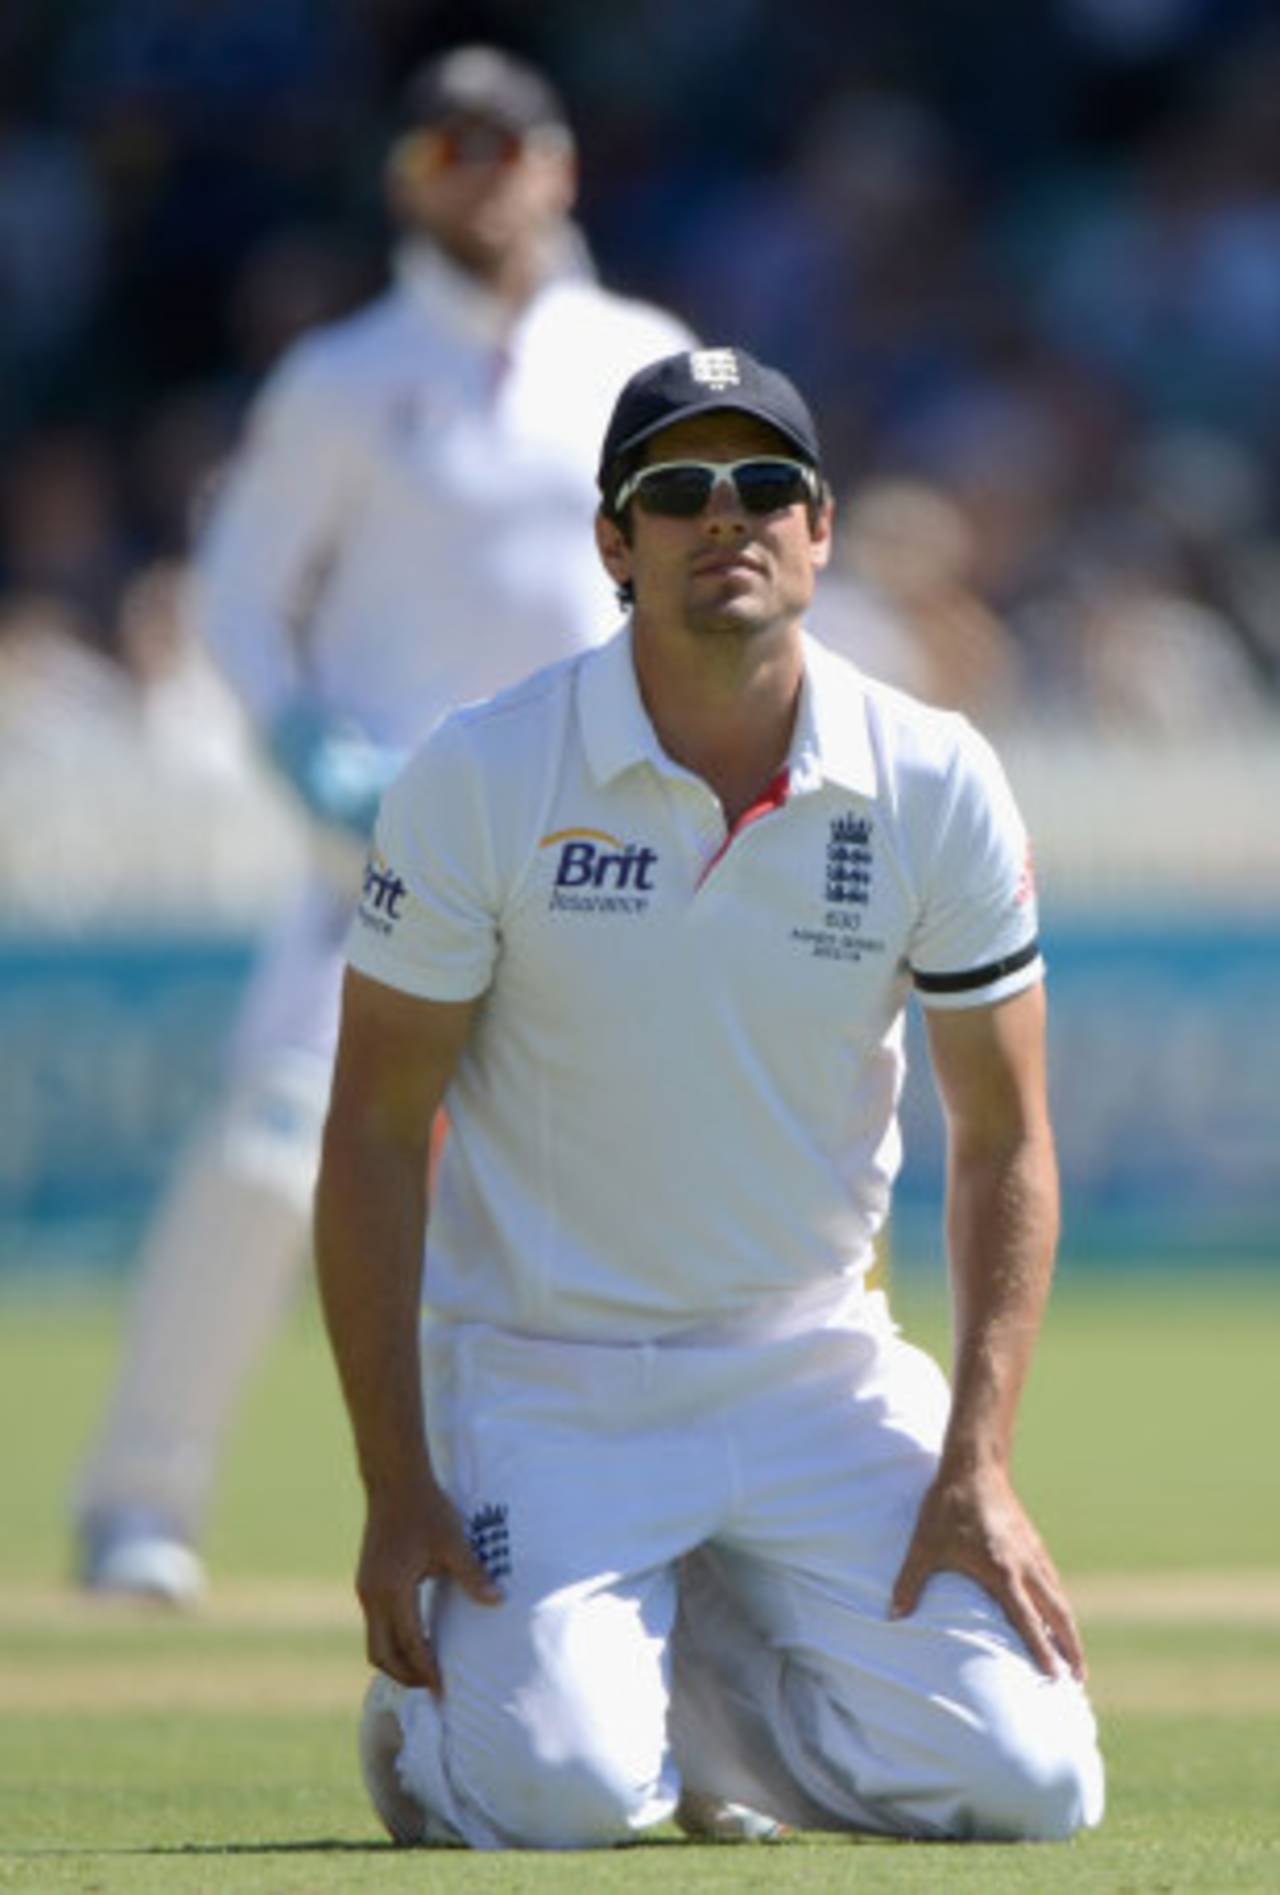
column 772, row 797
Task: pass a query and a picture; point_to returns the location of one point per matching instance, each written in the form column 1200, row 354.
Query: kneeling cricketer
column 664, row 1517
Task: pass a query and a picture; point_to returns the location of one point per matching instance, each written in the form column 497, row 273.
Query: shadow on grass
column 320, row 1845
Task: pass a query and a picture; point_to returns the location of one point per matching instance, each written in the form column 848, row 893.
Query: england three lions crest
column 716, row 369
column 848, row 867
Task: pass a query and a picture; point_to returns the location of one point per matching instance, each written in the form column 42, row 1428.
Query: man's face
column 483, row 193
column 724, row 571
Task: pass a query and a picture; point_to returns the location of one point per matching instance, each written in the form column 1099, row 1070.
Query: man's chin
column 481, row 246
column 728, row 620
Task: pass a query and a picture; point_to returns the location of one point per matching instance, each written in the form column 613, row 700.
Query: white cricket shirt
column 677, row 1109
column 408, row 525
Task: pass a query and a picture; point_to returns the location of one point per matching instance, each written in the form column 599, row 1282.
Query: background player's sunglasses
column 680, row 489
column 462, row 141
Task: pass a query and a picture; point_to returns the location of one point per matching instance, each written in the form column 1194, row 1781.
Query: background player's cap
column 480, row 82
column 699, row 382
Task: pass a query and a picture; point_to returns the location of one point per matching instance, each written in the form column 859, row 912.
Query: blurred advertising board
column 109, row 1050
column 1165, row 1074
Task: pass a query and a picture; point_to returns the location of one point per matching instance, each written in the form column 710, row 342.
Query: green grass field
column 144, row 1751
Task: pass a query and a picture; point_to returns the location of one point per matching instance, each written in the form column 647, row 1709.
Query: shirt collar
column 441, row 290
column 831, row 743
column 616, row 731
column 430, row 281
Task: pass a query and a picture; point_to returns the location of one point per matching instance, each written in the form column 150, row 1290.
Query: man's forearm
column 1002, row 1222
column 370, row 1219
column 395, row 1058
column 1002, row 1229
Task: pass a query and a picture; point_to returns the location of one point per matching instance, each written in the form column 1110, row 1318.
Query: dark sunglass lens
column 765, row 486
column 477, row 141
column 679, row 492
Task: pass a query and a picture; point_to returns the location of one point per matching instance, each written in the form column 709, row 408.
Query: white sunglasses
column 681, row 489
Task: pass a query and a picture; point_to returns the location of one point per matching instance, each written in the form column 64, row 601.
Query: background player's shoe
column 711, row 1819
column 134, row 1553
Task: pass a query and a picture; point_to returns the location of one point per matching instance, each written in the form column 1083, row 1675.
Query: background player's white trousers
column 219, row 1268
column 697, row 1547
column 230, row 1241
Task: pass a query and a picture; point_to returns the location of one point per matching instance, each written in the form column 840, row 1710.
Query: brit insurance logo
column 596, row 873
column 382, row 895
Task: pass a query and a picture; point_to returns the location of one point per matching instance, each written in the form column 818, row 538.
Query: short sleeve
column 427, row 917
column 977, row 937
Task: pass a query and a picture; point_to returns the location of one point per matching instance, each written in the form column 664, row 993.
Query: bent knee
column 571, row 1802
column 1044, row 1790
column 492, row 1787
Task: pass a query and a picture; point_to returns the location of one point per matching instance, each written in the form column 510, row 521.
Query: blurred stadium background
column 1027, row 263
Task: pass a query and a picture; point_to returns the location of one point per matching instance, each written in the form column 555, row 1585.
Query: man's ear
column 614, row 549
column 821, row 533
column 562, row 165
column 409, row 163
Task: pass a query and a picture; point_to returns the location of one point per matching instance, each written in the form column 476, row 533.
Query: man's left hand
column 975, row 1524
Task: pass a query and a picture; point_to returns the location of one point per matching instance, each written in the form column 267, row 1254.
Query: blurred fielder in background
column 407, row 528
column 709, row 1536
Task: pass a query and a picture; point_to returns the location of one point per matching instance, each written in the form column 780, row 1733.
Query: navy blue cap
column 701, row 381
column 480, row 82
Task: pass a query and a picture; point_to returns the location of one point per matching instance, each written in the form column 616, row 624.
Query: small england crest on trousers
column 490, row 1539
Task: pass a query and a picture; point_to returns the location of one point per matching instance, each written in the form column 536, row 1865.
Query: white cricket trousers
column 697, row 1546
column 229, row 1243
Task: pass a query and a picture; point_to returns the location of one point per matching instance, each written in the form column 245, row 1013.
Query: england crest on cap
column 700, row 381
column 715, row 368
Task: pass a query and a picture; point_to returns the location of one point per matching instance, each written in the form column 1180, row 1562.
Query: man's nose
column 724, row 512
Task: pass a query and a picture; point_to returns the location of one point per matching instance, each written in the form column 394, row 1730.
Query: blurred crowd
column 1025, row 261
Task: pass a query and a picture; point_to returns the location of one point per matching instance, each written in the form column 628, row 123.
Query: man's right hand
column 405, row 1544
